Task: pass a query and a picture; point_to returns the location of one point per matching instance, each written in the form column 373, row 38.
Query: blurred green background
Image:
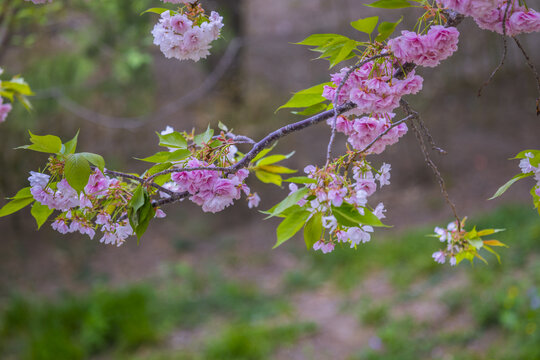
column 203, row 286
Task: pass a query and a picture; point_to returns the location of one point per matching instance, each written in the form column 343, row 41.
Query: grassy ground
column 387, row 300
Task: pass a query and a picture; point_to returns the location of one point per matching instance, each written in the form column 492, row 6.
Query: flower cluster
column 39, row 1
column 363, row 131
column 332, row 190
column 489, row 15
column 88, row 211
column 451, row 237
column 209, row 189
column 182, row 37
column 425, row 50
column 527, row 168
column 372, row 87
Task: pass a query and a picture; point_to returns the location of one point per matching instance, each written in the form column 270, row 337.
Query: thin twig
column 533, row 69
column 442, row 185
column 505, row 51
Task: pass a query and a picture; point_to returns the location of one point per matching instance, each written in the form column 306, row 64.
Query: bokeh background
column 202, row 286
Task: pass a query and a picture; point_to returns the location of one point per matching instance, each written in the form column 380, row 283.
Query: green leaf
column 94, row 159
column 505, row 187
column 158, row 11
column 290, row 226
column 71, row 145
column 534, row 161
column 476, row 243
column 390, row 4
column 493, row 252
column 289, row 201
column 77, row 171
column 386, row 29
column 173, row 140
column 344, row 53
column 487, row 232
column 14, row 206
column 19, row 87
column 140, row 211
column 312, row 110
column 204, row 137
column 263, row 153
column 301, row 180
column 366, row 25
column 24, row 193
column 272, row 159
column 41, row 213
column 47, row 144
column 348, row 215
column 268, row 178
column 306, row 98
column 276, row 169
column 222, row 126
column 137, row 200
column 158, row 168
column 165, row 156
column 313, row 230
column 321, row 39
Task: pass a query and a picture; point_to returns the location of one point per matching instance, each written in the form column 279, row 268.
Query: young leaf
column 313, row 230
column 71, row 145
column 289, row 201
column 312, row 110
column 275, row 169
column 390, row 4
column 15, row 205
column 158, row 11
column 273, row 159
column 366, row 25
column 24, row 193
column 306, row 98
column 290, row 226
column 301, row 180
column 386, row 29
column 204, row 137
column 494, row 243
column 263, row 153
column 140, row 211
column 348, row 215
column 94, row 159
column 165, row 156
column 47, row 143
column 493, row 252
column 344, row 53
column 268, row 178
column 41, row 213
column 321, row 39
column 505, row 187
column 173, row 140
column 77, row 171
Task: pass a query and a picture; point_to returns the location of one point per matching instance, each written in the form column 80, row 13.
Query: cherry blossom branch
column 336, row 97
column 266, row 141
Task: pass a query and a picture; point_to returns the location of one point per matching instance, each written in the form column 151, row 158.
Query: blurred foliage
column 492, row 313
